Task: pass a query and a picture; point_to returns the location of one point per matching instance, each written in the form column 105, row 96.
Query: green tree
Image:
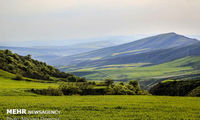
column 18, row 77
column 108, row 82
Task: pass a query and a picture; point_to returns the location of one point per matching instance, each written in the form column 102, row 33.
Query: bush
column 195, row 92
column 18, row 77
column 74, row 88
column 50, row 91
column 108, row 82
column 125, row 89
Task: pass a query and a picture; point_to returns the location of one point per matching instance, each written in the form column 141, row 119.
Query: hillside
column 153, row 57
column 12, row 87
column 28, row 67
column 163, row 41
column 177, row 88
column 184, row 68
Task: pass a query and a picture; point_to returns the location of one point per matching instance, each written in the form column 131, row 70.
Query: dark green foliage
column 108, row 82
column 87, row 88
column 195, row 92
column 18, row 77
column 175, row 88
column 82, row 80
column 72, row 78
column 132, row 88
column 50, row 91
column 75, row 88
column 92, row 83
column 25, row 66
column 134, row 83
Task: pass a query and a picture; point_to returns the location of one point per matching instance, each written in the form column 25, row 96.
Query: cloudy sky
column 57, row 20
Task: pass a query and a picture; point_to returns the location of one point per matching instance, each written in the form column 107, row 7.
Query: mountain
column 153, row 57
column 187, row 68
column 158, row 42
column 47, row 53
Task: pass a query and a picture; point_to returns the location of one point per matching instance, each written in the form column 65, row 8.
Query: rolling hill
column 187, row 68
column 153, row 57
column 149, row 60
column 162, row 41
column 25, row 66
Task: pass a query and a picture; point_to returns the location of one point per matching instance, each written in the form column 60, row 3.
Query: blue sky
column 81, row 20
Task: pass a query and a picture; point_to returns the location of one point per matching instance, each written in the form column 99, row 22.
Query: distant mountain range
column 47, row 53
column 150, row 60
column 153, row 57
column 157, row 49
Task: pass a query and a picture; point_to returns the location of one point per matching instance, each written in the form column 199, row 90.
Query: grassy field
column 107, row 107
column 10, row 87
column 124, row 72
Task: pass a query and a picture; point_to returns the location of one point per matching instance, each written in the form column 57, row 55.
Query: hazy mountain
column 162, row 41
column 46, row 53
column 153, row 57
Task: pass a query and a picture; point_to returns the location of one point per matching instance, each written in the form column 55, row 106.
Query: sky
column 35, row 21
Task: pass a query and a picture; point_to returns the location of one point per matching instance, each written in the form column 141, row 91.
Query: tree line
column 28, row 67
column 90, row 88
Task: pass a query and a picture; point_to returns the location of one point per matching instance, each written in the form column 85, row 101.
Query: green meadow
column 10, row 87
column 13, row 95
column 141, row 71
column 106, row 107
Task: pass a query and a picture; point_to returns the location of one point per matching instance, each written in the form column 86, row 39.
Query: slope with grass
column 153, row 57
column 177, row 88
column 162, row 41
column 147, row 75
column 106, row 107
column 13, row 96
column 11, row 87
column 28, row 67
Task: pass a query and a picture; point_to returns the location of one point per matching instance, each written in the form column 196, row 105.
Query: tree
column 72, row 79
column 81, row 80
column 121, row 83
column 134, row 83
column 108, row 82
column 18, row 77
column 29, row 56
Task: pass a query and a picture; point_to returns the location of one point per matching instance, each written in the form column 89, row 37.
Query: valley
column 127, row 81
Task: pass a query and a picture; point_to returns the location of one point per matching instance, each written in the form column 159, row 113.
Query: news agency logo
column 16, row 111
column 24, row 111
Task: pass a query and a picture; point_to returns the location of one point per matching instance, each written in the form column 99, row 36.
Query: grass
column 9, row 87
column 13, row 96
column 107, row 107
column 131, row 51
column 125, row 72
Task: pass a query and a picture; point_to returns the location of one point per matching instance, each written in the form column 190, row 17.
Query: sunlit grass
column 108, row 107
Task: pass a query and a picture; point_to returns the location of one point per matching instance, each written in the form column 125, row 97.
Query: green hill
column 12, row 87
column 177, row 88
column 162, row 41
column 28, row 67
column 153, row 57
column 184, row 68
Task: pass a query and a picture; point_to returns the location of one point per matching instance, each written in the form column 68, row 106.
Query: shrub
column 195, row 92
column 50, row 91
column 108, row 82
column 18, row 77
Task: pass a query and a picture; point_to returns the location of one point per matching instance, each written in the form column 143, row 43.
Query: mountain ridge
column 162, row 41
